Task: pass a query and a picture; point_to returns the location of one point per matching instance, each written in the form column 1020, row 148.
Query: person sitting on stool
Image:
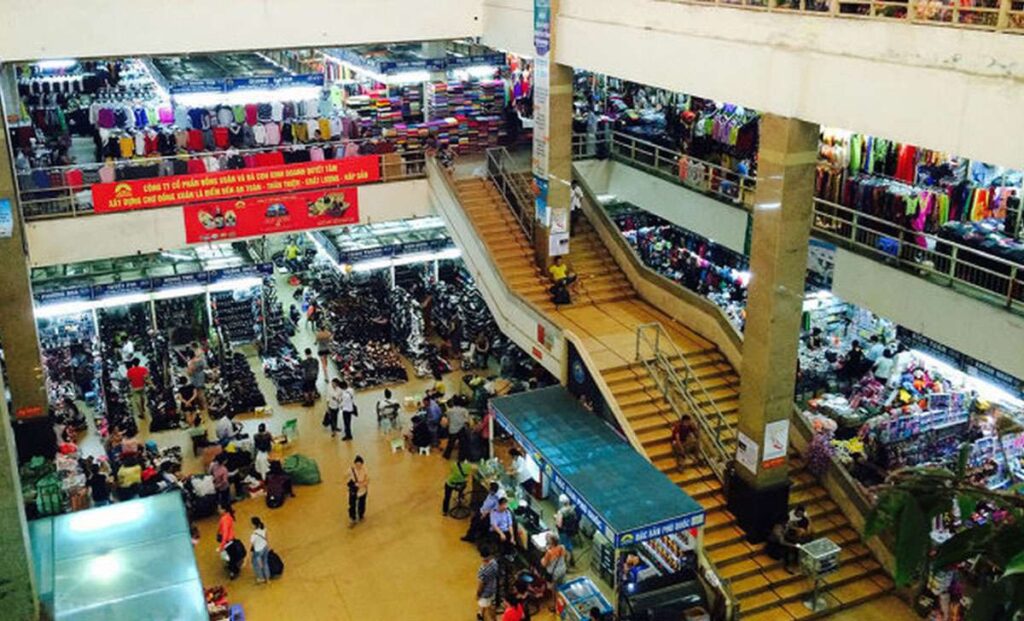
column 502, row 527
column 456, row 481
column 482, row 518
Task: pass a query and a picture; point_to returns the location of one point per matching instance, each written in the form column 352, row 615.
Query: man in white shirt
column 884, row 366
column 348, row 408
column 335, row 395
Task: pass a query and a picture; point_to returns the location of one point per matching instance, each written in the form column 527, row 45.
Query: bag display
column 303, row 470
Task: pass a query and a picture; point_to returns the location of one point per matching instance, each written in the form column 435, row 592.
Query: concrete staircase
column 605, row 312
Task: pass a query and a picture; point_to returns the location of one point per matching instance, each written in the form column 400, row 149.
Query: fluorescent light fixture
column 179, row 292
column 409, row 259
column 986, row 390
column 177, row 255
column 479, row 72
column 61, row 309
column 408, row 77
column 106, row 517
column 56, row 65
column 123, row 300
column 239, row 97
column 236, row 284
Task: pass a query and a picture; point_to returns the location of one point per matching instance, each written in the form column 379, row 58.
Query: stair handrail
column 499, row 169
column 711, row 432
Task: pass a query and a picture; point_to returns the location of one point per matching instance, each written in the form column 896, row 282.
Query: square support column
column 783, row 208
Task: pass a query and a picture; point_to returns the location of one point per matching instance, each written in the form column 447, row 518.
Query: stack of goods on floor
column 407, row 331
column 356, row 313
column 235, row 313
column 163, row 407
column 280, row 358
column 183, row 319
column 459, row 314
column 234, row 389
column 689, row 259
column 71, row 366
column 124, row 333
column 41, row 488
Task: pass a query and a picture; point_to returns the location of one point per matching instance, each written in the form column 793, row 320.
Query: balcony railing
column 711, row 179
column 991, row 15
column 934, row 258
column 46, row 193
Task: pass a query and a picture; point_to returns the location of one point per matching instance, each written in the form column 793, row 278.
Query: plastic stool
column 424, row 450
column 397, row 445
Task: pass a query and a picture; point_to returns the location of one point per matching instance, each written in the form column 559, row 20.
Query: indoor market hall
column 645, row 310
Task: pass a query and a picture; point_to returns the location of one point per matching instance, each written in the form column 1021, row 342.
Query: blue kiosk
column 646, row 530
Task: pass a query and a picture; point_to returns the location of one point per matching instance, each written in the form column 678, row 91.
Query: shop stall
column 645, row 531
column 96, row 317
column 128, row 560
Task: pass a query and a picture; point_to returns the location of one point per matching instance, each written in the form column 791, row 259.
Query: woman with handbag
column 358, row 484
column 260, row 551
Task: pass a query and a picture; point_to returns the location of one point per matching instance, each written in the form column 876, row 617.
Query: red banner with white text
column 265, row 215
column 227, row 184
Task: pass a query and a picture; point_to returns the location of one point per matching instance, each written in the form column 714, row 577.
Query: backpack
column 570, row 523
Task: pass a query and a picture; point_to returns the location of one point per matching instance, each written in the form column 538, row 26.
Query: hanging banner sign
column 776, row 442
column 265, row 215
column 228, row 85
column 130, row 287
column 542, row 27
column 6, row 218
column 184, row 189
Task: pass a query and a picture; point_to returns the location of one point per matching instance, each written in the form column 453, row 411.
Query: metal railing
column 56, row 197
column 716, row 181
column 501, row 170
column 934, row 258
column 685, row 393
column 992, row 15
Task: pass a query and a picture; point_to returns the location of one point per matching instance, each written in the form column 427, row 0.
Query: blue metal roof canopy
column 626, row 498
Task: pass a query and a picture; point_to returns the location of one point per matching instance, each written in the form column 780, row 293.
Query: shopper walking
column 137, row 376
column 348, row 408
column 486, row 585
column 225, row 527
column 310, row 375
column 334, row 398
column 221, row 481
column 260, row 551
column 196, row 372
column 358, row 485
column 323, row 347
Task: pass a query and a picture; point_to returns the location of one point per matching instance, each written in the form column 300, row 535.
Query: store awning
column 625, row 497
column 128, row 560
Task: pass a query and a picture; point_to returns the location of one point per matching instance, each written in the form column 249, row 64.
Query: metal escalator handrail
column 499, row 165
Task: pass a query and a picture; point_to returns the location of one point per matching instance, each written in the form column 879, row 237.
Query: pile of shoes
column 163, row 409
column 117, row 327
column 234, row 388
column 280, row 358
column 183, row 319
column 370, row 364
column 69, row 358
column 236, row 313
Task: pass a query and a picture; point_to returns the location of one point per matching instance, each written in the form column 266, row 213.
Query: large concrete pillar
column 552, row 137
column 782, row 216
column 17, row 323
column 17, row 586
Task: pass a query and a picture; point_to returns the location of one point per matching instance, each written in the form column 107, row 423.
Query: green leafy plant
column 912, row 497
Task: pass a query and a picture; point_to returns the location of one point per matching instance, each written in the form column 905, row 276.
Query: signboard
column 186, row 189
column 969, row 365
column 776, row 441
column 543, row 214
column 541, row 130
column 227, row 85
column 821, row 263
column 542, row 27
column 660, row 529
column 6, row 218
column 265, row 215
column 65, row 295
column 746, row 452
